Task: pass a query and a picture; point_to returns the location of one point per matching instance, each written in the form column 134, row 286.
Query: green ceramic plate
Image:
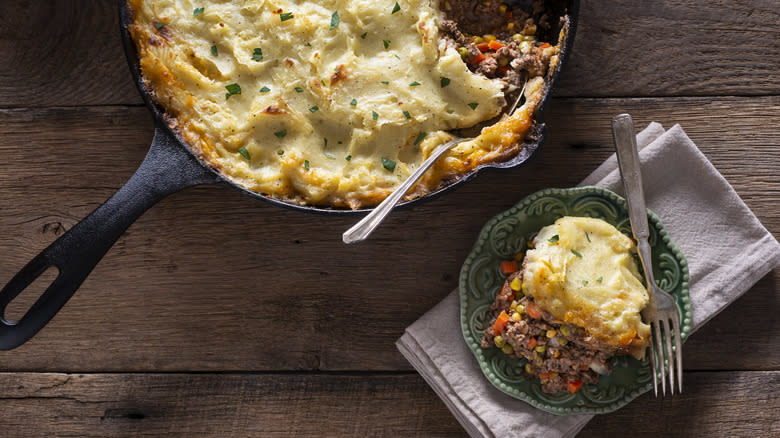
column 481, row 278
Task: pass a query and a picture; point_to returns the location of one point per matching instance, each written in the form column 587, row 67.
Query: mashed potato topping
column 582, row 271
column 323, row 103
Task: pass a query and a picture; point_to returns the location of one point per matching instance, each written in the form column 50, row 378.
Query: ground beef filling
column 496, row 40
column 562, row 356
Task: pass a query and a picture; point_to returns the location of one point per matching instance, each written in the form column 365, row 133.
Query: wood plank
column 714, row 404
column 69, row 53
column 210, row 280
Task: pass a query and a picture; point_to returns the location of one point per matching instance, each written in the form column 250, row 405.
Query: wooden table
column 218, row 315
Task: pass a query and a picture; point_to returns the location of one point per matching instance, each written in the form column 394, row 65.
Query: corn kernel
column 566, row 330
column 510, row 26
column 540, row 349
column 507, row 349
column 516, row 316
column 562, row 341
column 556, row 354
column 528, row 368
column 503, row 63
column 517, row 37
column 520, row 309
column 551, row 333
column 530, row 30
column 513, row 305
column 477, row 39
column 447, row 6
column 502, row 9
column 499, row 341
column 489, row 37
column 516, row 285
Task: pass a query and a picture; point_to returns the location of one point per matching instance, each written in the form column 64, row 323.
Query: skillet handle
column 167, row 168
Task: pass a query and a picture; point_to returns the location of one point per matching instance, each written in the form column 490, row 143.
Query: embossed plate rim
column 576, row 403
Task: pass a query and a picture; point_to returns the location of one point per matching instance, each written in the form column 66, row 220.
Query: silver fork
column 661, row 313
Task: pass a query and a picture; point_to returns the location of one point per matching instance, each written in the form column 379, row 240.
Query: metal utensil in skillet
column 661, row 313
column 169, row 167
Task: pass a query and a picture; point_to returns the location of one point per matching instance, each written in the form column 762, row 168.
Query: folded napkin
column 727, row 248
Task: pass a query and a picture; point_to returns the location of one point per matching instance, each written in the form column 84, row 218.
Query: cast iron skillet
column 169, row 167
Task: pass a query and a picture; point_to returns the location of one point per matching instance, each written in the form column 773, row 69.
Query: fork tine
column 654, row 368
column 660, row 349
column 678, row 352
column 666, row 326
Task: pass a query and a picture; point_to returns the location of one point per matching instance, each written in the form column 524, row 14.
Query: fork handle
column 628, row 163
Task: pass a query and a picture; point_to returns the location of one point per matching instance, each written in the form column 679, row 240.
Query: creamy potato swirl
column 328, row 103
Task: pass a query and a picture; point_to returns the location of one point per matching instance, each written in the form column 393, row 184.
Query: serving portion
column 573, row 305
column 334, row 103
column 567, row 310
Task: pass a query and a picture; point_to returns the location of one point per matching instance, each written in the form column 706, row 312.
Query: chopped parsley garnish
column 553, row 239
column 325, row 141
column 306, row 164
column 598, row 280
column 334, row 20
column 388, row 164
column 386, row 82
column 406, row 114
column 473, row 105
column 396, row 8
column 420, row 137
column 587, row 237
column 444, row 81
column 314, row 108
column 197, row 11
column 353, row 102
column 158, row 26
column 286, row 16
column 281, row 134
column 257, row 54
column 362, row 37
column 265, row 89
column 244, row 153
column 330, row 156
column 398, row 57
column 414, row 84
column 214, row 51
column 348, row 158
column 298, row 90
column 374, row 115
column 386, row 43
column 576, row 253
column 232, row 89
column 307, row 44
column 585, row 282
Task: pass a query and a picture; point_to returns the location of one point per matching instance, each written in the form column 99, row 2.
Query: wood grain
column 69, row 53
column 211, row 280
column 289, row 405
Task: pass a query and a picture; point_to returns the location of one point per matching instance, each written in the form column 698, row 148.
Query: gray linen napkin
column 724, row 243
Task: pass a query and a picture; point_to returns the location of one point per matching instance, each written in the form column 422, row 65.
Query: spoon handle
column 361, row 230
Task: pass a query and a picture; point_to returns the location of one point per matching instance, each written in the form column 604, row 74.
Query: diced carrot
column 495, row 45
column 476, row 59
column 509, row 267
column 483, row 47
column 545, row 45
column 502, row 70
column 533, row 310
column 501, row 321
column 532, row 343
column 546, row 375
column 574, row 386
